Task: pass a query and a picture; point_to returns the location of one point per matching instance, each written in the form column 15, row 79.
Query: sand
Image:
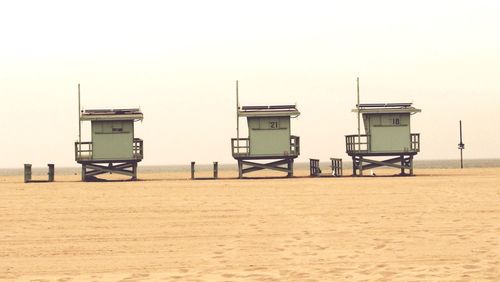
column 442, row 225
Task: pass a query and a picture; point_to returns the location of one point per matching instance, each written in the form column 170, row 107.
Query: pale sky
column 178, row 61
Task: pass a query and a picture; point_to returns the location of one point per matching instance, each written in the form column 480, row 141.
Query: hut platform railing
column 138, row 148
column 241, row 148
column 360, row 144
column 357, row 143
column 83, row 150
column 415, row 142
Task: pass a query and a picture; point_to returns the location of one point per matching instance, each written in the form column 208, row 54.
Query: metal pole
column 461, row 147
column 461, row 159
column 359, row 117
column 237, row 121
column 79, row 124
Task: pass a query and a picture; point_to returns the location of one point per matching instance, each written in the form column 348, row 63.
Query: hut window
column 117, row 127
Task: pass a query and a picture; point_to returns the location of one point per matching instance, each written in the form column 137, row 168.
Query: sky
column 179, row 60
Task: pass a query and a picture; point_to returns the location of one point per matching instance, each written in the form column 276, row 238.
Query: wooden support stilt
column 134, row 171
column 282, row 165
column 360, row 166
column 91, row 169
column 411, row 165
column 240, row 169
column 84, row 170
column 402, row 162
column 354, row 166
column 290, row 168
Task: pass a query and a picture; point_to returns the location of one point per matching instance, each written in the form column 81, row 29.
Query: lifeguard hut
column 269, row 144
column 387, row 134
column 113, row 147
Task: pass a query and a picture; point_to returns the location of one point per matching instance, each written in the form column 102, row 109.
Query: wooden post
column 27, row 173
column 51, row 172
column 192, row 170
column 216, row 170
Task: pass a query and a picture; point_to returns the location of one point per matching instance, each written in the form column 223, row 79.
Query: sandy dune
column 441, row 225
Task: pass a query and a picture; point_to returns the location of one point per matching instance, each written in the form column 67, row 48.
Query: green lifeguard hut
column 387, row 134
column 113, row 147
column 269, row 139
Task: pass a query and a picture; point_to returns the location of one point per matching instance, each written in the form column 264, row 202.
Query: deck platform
column 92, row 167
column 248, row 162
column 358, row 148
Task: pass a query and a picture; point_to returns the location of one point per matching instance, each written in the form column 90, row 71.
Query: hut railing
column 415, row 142
column 83, row 150
column 294, row 145
column 138, row 148
column 240, row 147
column 357, row 143
column 354, row 144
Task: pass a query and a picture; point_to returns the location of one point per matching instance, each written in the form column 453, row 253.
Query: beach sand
column 442, row 225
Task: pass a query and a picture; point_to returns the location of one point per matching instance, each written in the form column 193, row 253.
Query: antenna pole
column 461, row 147
column 79, row 124
column 237, row 120
column 359, row 117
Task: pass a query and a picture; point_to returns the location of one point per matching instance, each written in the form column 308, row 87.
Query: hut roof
column 386, row 108
column 112, row 114
column 269, row 111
